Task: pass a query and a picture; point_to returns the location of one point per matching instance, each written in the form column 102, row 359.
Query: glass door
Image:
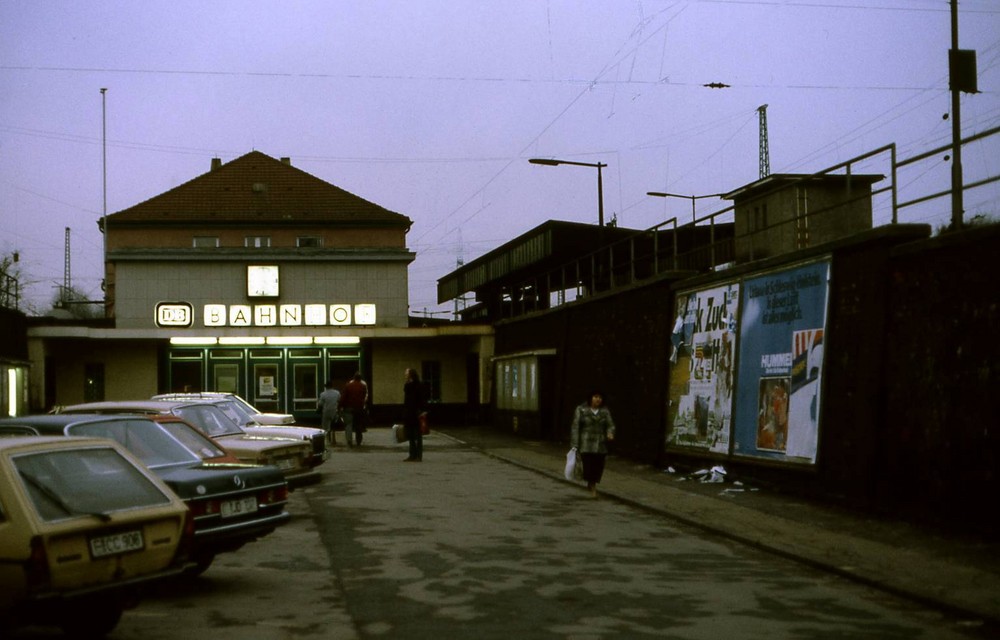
column 266, row 385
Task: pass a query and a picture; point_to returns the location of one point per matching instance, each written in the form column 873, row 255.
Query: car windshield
column 235, row 412
column 246, row 406
column 91, row 481
column 145, row 439
column 204, row 447
column 209, row 419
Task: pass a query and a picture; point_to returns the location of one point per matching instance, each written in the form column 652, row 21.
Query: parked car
column 293, row 457
column 84, row 526
column 243, row 414
column 232, row 503
column 259, row 416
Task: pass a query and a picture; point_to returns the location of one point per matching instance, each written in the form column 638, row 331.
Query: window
column 257, row 242
column 93, row 382
column 205, row 242
column 309, row 241
column 431, row 377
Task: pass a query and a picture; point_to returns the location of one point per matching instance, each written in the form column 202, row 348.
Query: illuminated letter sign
column 239, row 315
column 291, row 315
column 340, row 314
column 215, row 315
column 174, row 314
column 364, row 314
column 265, row 315
column 181, row 314
column 316, row 314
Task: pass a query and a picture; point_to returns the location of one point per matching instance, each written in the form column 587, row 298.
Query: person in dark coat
column 414, row 403
column 352, row 403
column 590, row 433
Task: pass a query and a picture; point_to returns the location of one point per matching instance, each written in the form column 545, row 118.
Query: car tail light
column 204, row 508
column 274, row 496
column 36, row 569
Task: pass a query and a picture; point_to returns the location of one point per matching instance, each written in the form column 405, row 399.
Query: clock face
column 262, row 281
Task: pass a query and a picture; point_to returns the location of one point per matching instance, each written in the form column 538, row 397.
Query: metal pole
column 600, row 196
column 956, row 128
column 694, row 216
column 104, row 209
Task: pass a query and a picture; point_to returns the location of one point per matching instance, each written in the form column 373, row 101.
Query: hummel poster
column 781, row 363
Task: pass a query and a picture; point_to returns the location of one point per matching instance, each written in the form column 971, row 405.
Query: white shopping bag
column 574, row 468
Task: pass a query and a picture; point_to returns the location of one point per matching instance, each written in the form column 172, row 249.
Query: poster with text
column 781, row 364
column 703, row 345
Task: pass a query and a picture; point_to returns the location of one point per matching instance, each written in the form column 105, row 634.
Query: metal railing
column 711, row 241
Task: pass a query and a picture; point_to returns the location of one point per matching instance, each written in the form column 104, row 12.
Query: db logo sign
column 174, row 314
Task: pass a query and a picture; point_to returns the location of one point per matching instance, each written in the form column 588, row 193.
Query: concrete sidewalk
column 961, row 576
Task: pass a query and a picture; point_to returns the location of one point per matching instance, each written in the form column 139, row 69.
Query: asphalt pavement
column 955, row 573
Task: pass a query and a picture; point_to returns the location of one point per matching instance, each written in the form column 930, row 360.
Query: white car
column 257, row 415
column 242, row 413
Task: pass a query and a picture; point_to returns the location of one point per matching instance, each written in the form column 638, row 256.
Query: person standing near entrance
column 353, row 399
column 328, row 406
column 590, row 433
column 414, row 400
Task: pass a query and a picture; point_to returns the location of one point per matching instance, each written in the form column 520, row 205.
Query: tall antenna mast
column 765, row 155
column 67, row 276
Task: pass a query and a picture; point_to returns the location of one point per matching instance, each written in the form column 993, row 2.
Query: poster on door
column 703, row 345
column 781, row 364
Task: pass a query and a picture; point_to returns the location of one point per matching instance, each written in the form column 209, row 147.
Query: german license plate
column 116, row 544
column 233, row 508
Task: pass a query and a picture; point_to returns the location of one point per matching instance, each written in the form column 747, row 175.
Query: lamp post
column 694, row 216
column 600, row 184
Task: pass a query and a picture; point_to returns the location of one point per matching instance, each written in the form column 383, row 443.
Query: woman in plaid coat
column 590, row 433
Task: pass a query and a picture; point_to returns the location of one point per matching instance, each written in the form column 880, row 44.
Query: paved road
column 464, row 545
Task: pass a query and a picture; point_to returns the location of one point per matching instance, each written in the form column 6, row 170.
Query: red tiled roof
column 258, row 188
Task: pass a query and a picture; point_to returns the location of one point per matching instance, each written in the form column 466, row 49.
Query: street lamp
column 660, row 194
column 600, row 185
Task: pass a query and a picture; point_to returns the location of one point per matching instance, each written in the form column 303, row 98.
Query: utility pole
column 104, row 211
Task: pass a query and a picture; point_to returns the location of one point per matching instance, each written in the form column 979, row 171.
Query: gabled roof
column 256, row 188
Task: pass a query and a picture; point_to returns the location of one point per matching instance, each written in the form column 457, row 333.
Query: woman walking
column 590, row 433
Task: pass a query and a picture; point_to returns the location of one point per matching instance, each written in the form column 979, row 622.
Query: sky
column 432, row 108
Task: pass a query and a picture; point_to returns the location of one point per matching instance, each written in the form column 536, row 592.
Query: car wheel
column 92, row 618
column 202, row 563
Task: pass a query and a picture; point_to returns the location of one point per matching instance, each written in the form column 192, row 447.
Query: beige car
column 293, row 456
column 83, row 526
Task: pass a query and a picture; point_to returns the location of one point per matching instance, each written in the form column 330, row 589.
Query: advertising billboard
column 782, row 324
column 703, row 346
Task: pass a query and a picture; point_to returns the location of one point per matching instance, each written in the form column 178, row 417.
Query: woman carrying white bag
column 590, row 433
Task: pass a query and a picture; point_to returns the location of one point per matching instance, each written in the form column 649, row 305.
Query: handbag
column 574, row 467
column 425, row 427
column 399, row 432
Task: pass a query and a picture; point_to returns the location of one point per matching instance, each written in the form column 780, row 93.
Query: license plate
column 233, row 508
column 285, row 463
column 116, row 544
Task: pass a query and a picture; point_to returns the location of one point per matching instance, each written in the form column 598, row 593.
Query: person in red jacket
column 353, row 400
